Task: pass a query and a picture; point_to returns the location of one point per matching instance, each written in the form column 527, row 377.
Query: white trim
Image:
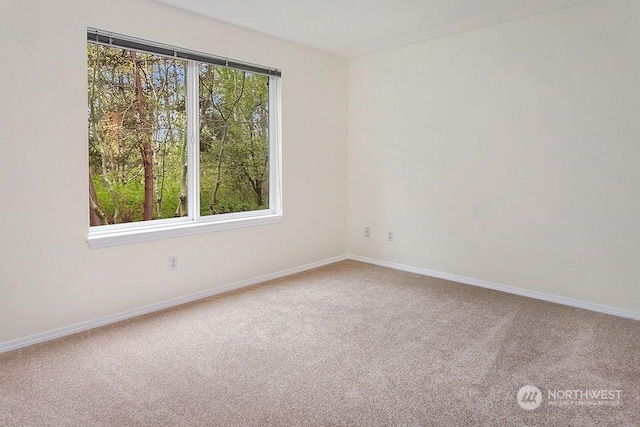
column 155, row 231
column 275, row 144
column 79, row 327
column 502, row 288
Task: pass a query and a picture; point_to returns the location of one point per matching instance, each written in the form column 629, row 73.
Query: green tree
column 138, row 141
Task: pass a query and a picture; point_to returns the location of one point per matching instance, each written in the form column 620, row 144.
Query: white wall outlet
column 390, row 236
column 367, row 232
column 173, row 262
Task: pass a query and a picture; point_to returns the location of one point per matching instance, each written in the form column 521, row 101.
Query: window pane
column 137, row 138
column 234, row 135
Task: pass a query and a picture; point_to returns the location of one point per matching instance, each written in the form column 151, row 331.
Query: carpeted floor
column 345, row 344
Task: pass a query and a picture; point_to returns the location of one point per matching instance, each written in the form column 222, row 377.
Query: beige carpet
column 346, row 344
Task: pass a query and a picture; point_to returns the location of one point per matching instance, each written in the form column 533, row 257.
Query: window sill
column 116, row 238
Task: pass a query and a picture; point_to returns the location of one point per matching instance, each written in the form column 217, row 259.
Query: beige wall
column 49, row 278
column 508, row 154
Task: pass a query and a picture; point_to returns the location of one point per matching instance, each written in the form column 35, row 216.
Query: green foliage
column 136, row 98
column 233, row 140
column 130, row 197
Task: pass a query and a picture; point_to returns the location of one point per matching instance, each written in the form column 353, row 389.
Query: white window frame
column 142, row 231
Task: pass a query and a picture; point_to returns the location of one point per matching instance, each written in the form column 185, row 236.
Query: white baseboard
column 58, row 333
column 503, row 288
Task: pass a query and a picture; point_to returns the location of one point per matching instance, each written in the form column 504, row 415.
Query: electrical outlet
column 390, row 236
column 367, row 232
column 173, row 262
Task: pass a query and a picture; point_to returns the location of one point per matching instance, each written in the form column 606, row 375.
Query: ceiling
column 356, row 27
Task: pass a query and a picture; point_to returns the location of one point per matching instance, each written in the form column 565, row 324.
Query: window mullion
column 193, row 166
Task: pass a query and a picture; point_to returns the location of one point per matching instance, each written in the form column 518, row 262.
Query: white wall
column 49, row 278
column 509, row 154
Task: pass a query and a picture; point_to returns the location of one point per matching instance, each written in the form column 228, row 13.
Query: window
column 179, row 142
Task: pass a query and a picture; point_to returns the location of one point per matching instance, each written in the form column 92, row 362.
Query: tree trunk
column 214, row 197
column 258, row 190
column 147, row 161
column 256, row 186
column 96, row 216
column 182, row 202
column 146, row 151
column 96, row 86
